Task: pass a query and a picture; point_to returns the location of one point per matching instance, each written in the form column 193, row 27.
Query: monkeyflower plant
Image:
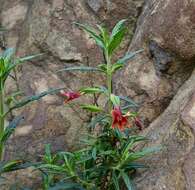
column 108, row 159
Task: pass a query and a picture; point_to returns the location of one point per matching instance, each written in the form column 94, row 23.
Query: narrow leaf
column 92, row 90
column 93, row 34
column 80, row 68
column 129, row 100
column 118, row 27
column 91, row 108
column 104, row 34
column 8, row 53
column 30, row 99
column 143, row 153
column 115, row 100
column 13, row 165
column 27, row 58
column 115, row 181
column 100, row 118
column 129, row 56
column 116, row 67
column 116, row 41
column 103, row 67
column 94, row 153
column 127, row 181
column 65, row 186
column 10, row 128
column 134, row 166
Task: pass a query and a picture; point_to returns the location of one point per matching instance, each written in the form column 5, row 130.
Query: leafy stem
column 1, row 115
column 109, row 80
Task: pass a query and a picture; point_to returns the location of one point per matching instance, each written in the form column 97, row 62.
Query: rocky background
column 161, row 80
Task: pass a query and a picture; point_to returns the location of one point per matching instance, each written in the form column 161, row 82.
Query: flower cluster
column 69, row 96
column 119, row 120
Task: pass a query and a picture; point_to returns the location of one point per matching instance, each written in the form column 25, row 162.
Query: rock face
column 166, row 30
column 173, row 167
column 161, row 79
column 46, row 26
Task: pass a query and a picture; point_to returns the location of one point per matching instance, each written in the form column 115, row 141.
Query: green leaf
column 118, row 133
column 16, row 63
column 115, row 100
column 2, row 29
column 128, row 56
column 94, row 153
column 81, row 69
column 134, row 166
column 52, row 168
column 131, row 141
column 65, row 186
column 107, row 152
column 91, row 108
column 127, row 181
column 27, row 58
column 129, row 100
column 121, row 62
column 48, row 156
column 13, row 165
column 116, row 67
column 91, row 90
column 10, row 129
column 99, row 41
column 103, row 67
column 144, row 152
column 99, row 119
column 8, row 53
column 116, row 41
column 115, row 181
column 30, row 99
column 118, row 27
column 104, row 34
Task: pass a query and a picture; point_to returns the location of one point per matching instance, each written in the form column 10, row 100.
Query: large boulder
column 166, row 31
column 162, row 81
column 173, row 130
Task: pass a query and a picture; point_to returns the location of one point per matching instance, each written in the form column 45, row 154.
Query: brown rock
column 170, row 168
column 166, row 31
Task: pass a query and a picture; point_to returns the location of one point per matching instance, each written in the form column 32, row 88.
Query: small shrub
column 108, row 159
column 10, row 102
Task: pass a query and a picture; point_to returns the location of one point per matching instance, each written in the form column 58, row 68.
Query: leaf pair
column 102, row 37
column 33, row 98
column 9, row 63
column 13, row 165
column 122, row 61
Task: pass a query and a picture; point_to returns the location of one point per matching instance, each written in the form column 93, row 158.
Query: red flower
column 70, row 95
column 138, row 123
column 119, row 120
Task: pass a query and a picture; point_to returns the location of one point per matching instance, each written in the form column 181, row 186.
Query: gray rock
column 95, row 5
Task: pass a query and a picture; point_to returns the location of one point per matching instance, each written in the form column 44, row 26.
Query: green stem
column 109, row 80
column 1, row 117
column 73, row 174
column 87, row 185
